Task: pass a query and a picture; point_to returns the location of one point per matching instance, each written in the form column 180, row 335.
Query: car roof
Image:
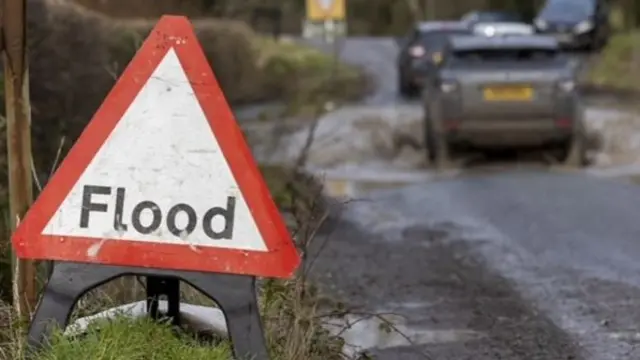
column 471, row 42
column 429, row 26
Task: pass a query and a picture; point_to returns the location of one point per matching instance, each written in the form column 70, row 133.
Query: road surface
column 494, row 264
column 541, row 265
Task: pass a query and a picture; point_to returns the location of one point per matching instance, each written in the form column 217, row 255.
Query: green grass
column 616, row 18
column 618, row 66
column 306, row 76
column 289, row 308
column 127, row 339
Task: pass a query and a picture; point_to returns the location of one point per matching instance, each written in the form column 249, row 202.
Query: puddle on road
column 346, row 188
column 362, row 333
column 634, row 179
column 355, row 182
column 358, row 187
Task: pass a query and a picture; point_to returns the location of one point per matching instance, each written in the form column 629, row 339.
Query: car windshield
column 570, row 10
column 498, row 16
column 512, row 55
column 436, row 40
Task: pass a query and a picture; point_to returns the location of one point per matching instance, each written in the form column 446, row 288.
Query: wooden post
column 16, row 79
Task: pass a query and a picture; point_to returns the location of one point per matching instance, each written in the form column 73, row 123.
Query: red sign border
column 281, row 259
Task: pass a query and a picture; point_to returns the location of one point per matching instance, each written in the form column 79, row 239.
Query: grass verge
column 289, row 308
column 123, row 338
column 313, row 77
column 618, row 65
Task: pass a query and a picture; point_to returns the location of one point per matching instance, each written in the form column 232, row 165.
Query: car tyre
column 402, row 86
column 598, row 42
column 594, row 46
column 406, row 88
column 576, row 151
column 437, row 142
column 440, row 152
column 429, row 143
column 601, row 44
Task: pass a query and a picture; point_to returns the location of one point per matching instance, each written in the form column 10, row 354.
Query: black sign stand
column 170, row 287
column 235, row 294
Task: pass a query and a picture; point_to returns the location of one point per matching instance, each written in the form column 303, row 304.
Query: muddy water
column 360, row 148
column 349, row 188
column 362, row 333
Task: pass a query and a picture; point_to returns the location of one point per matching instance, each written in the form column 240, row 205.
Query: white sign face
column 325, row 5
column 160, row 177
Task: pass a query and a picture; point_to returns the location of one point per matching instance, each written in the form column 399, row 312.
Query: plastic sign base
column 235, row 294
column 170, row 287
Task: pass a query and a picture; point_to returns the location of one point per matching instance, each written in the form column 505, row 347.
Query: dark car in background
column 576, row 24
column 490, row 16
column 421, row 50
column 504, row 92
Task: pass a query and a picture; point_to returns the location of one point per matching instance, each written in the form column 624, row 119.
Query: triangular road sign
column 161, row 177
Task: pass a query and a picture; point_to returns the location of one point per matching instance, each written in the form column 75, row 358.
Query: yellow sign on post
column 324, row 10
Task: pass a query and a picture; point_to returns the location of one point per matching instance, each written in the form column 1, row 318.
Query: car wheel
column 431, row 147
column 407, row 88
column 595, row 46
column 602, row 43
column 403, row 86
column 598, row 42
column 576, row 151
column 429, row 141
column 441, row 152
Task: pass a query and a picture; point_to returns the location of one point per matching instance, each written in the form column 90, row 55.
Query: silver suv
column 504, row 91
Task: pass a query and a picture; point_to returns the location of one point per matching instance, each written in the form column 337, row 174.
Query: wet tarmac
column 501, row 261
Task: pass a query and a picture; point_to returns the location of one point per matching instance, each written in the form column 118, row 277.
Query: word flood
column 88, row 206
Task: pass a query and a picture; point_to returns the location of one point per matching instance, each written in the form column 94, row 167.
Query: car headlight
column 541, row 24
column 417, row 51
column 490, row 31
column 583, row 26
column 448, row 87
column 567, row 85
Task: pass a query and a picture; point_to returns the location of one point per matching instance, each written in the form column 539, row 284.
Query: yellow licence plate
column 508, row 93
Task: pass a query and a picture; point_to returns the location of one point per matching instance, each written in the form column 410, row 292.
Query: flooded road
column 539, row 265
column 514, row 261
column 384, row 144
